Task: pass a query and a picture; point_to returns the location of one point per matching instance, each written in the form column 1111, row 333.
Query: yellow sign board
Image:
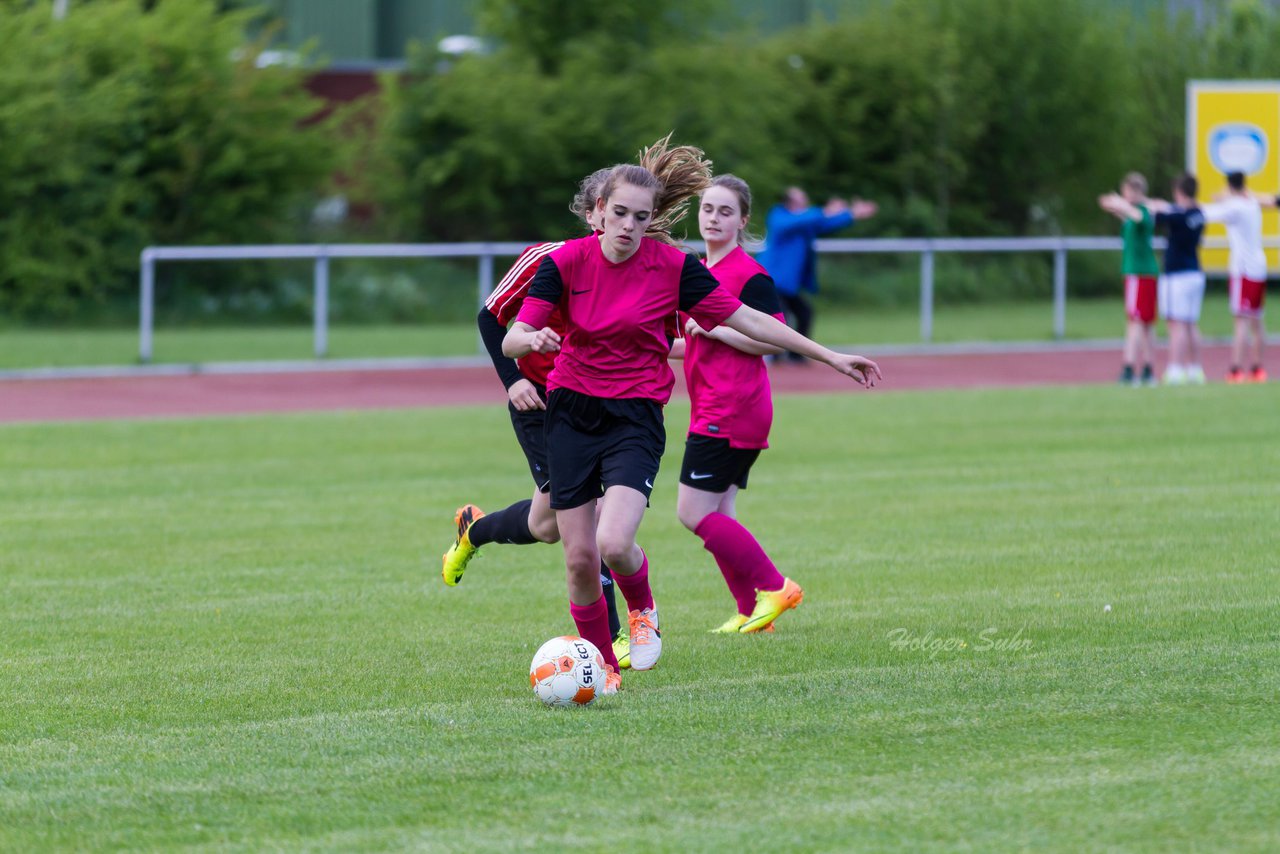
column 1234, row 126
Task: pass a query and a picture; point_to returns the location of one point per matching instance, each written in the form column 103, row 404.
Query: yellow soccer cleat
column 622, row 648
column 461, row 552
column 732, row 626
column 729, row 626
column 770, row 604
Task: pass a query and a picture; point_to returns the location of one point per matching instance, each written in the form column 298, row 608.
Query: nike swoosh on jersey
column 693, row 475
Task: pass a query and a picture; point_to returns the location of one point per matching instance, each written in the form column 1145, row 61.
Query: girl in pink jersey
column 732, row 410
column 531, row 520
column 605, row 434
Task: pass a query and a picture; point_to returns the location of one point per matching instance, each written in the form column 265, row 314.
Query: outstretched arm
column 759, row 293
column 733, row 338
column 1220, row 212
column 702, row 297
column 1115, row 204
column 769, row 330
column 788, row 223
column 863, row 208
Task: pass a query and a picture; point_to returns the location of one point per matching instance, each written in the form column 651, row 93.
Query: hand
column 864, row 371
column 834, row 207
column 863, row 209
column 691, row 328
column 545, row 340
column 524, row 396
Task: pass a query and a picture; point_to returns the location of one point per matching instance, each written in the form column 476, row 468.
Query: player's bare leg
column 620, row 517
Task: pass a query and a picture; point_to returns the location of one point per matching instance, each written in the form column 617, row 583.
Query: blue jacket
column 788, row 254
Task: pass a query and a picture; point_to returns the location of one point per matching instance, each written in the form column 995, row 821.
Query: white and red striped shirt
column 507, row 298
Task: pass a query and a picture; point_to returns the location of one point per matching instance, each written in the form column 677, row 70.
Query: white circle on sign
column 1238, row 148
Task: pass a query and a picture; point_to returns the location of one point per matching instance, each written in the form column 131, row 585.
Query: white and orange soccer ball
column 567, row 671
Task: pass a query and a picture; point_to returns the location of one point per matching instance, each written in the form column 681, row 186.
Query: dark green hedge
column 121, row 127
column 964, row 117
column 147, row 121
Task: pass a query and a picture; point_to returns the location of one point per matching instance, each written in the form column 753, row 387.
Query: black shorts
column 531, row 433
column 710, row 465
column 594, row 443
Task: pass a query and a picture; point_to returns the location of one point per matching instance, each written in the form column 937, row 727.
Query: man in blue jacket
column 791, row 228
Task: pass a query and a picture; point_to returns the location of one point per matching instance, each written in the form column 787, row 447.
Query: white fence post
column 320, row 309
column 1059, row 293
column 146, row 306
column 926, row 295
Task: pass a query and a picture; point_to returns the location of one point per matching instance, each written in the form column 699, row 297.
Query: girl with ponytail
column 605, row 433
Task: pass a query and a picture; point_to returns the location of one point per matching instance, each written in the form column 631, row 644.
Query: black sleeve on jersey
column 547, row 284
column 760, row 294
column 1163, row 218
column 492, row 332
column 695, row 283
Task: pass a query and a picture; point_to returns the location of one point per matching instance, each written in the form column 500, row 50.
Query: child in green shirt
column 1141, row 272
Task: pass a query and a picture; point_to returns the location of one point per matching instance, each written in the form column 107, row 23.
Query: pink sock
column 635, row 587
column 745, row 566
column 593, row 624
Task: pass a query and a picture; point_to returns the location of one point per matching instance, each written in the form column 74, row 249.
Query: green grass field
column 230, row 634
column 1030, row 321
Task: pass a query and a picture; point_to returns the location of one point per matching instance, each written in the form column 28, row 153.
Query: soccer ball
column 567, row 671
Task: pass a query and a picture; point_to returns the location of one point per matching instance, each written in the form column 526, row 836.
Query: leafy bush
column 492, row 147
column 147, row 121
column 964, row 117
column 121, row 127
column 973, row 116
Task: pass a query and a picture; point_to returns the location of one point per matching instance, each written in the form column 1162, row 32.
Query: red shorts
column 1140, row 298
column 1247, row 296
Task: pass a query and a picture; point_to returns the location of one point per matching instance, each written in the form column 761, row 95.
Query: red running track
column 307, row 391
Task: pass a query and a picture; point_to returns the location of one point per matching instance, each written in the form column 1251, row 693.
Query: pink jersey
column 729, row 389
column 617, row 316
column 508, row 296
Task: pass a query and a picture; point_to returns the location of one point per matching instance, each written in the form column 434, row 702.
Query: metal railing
column 484, row 253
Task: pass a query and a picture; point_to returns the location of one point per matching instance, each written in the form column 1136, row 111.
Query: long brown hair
column 685, row 172
column 674, row 175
